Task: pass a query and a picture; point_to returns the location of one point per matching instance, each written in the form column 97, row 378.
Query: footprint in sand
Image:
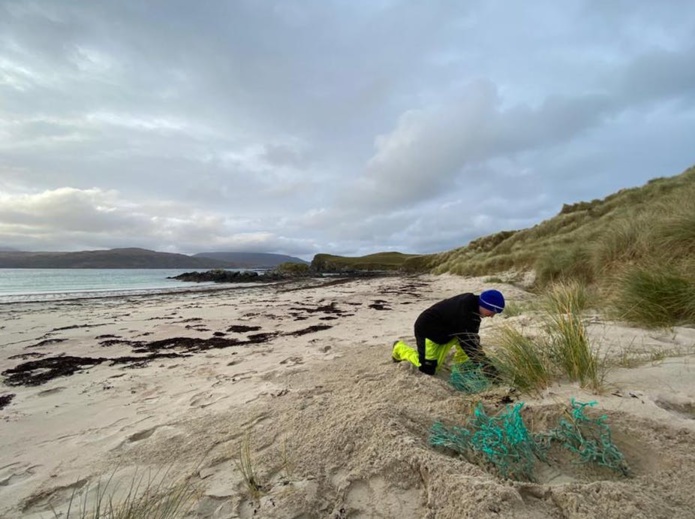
column 292, row 361
column 16, row 472
column 141, row 435
column 203, row 400
column 681, row 406
column 46, row 500
column 48, row 392
column 363, row 495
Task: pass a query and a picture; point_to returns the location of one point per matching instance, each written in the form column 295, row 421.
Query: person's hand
column 428, row 366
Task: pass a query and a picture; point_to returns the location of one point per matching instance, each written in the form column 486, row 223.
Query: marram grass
column 562, row 349
column 654, row 297
column 148, row 496
column 568, row 340
column 634, row 247
column 522, row 360
column 246, row 466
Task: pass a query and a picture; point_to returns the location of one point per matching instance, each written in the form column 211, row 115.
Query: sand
column 301, row 373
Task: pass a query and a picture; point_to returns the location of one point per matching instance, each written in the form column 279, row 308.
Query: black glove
column 428, row 366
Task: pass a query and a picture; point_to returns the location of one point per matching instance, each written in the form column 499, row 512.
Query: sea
column 36, row 285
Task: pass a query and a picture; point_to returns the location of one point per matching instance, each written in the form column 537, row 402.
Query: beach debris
column 29, row 355
column 240, row 328
column 468, row 377
column 310, row 329
column 38, row 372
column 588, row 438
column 380, row 304
column 6, row 399
column 114, row 342
column 326, row 309
column 504, row 441
column 46, row 342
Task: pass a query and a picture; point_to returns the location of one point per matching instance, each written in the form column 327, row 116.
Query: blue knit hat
column 492, row 300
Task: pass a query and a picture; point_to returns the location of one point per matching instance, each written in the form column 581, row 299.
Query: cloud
column 344, row 127
column 71, row 219
column 434, row 148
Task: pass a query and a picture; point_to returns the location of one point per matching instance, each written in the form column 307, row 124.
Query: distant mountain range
column 250, row 259
column 140, row 259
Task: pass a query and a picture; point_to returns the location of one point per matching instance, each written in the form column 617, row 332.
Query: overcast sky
column 347, row 127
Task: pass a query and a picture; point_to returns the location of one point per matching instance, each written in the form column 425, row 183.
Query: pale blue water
column 23, row 285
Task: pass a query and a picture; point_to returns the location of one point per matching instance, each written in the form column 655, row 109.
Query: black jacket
column 459, row 317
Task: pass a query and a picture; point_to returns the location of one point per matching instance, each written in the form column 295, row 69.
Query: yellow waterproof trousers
column 433, row 351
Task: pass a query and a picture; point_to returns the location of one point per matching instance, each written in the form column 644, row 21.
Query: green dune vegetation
column 380, row 261
column 634, row 250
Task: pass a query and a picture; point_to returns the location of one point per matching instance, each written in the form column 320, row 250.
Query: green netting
column 468, row 378
column 588, row 438
column 502, row 440
column 505, row 442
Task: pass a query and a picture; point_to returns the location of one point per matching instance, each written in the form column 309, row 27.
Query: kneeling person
column 451, row 322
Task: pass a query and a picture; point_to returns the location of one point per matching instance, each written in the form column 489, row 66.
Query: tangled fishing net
column 467, row 377
column 589, row 439
column 505, row 442
column 502, row 440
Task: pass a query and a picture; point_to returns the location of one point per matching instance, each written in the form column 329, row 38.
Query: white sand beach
column 335, row 428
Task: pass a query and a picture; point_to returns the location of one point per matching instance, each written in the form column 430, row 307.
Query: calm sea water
column 24, row 285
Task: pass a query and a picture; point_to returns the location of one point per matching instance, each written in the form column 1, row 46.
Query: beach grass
column 562, row 349
column 656, row 296
column 151, row 495
column 246, row 466
column 522, row 360
column 512, row 309
column 635, row 248
column 568, row 340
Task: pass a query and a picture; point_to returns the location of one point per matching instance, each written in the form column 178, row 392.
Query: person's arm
column 470, row 344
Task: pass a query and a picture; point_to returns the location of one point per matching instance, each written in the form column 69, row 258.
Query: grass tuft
column 246, row 467
column 512, row 309
column 654, row 297
column 598, row 242
column 523, row 361
column 148, row 496
column 568, row 339
column 563, row 349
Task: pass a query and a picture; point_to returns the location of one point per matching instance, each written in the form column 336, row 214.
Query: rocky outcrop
column 230, row 276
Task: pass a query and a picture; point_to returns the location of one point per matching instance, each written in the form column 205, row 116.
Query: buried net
column 502, row 440
column 467, row 377
column 505, row 442
column 588, row 438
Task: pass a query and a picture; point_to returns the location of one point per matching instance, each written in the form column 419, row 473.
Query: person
column 452, row 322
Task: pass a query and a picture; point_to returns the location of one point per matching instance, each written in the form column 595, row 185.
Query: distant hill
column 250, row 259
column 131, row 258
column 650, row 227
column 377, row 261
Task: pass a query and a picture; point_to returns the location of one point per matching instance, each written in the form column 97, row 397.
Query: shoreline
column 77, row 295
column 307, row 369
column 115, row 293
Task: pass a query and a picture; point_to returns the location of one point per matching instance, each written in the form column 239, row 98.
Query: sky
column 330, row 126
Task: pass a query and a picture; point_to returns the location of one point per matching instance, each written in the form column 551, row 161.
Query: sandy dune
column 335, row 428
